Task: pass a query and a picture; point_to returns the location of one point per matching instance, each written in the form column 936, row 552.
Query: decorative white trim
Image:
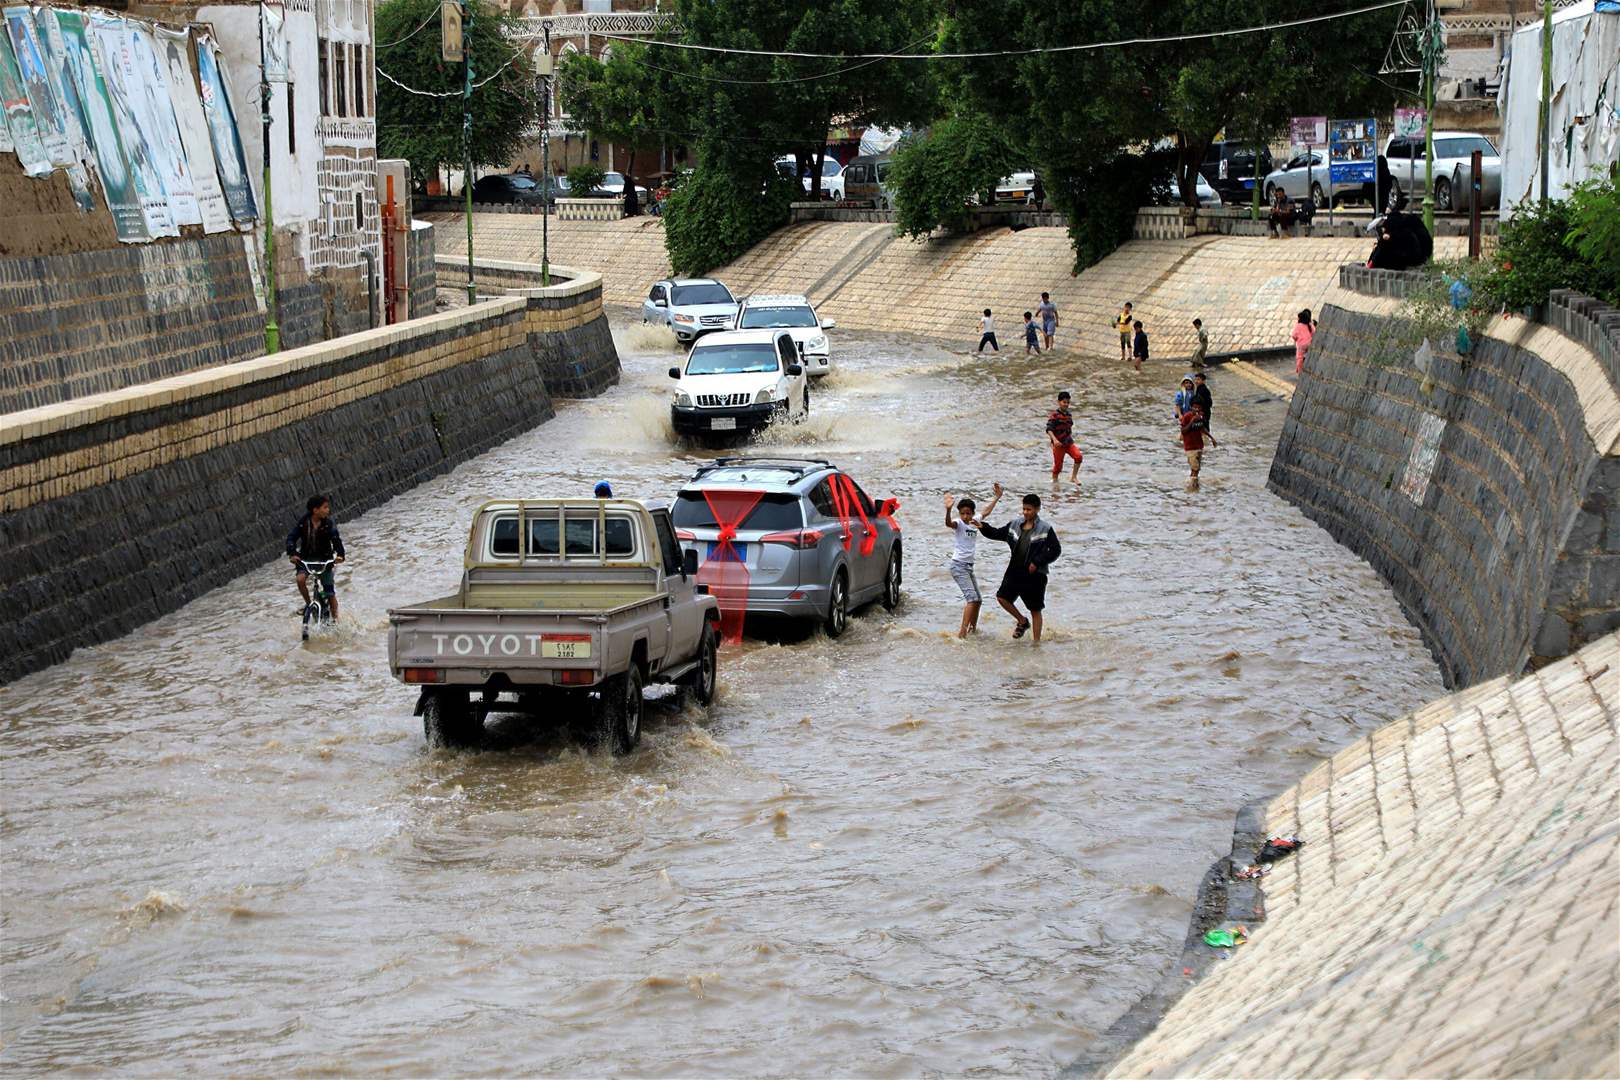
column 584, row 24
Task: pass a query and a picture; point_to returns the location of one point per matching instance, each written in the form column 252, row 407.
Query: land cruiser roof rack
column 801, row 465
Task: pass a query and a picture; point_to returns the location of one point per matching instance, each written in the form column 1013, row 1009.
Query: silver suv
column 810, row 542
column 691, row 307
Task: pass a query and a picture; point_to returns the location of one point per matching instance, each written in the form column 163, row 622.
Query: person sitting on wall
column 1282, row 214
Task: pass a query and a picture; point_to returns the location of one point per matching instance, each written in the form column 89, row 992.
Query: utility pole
column 272, row 332
column 466, row 135
column 1433, row 49
column 547, row 198
column 1546, row 95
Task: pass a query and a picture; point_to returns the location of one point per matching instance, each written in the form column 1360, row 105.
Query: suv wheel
column 837, row 620
column 891, row 580
column 1442, row 194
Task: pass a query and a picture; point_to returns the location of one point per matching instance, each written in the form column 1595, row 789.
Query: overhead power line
column 1201, row 36
column 447, row 93
column 413, row 33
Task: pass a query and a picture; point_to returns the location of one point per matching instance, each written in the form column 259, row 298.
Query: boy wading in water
column 987, row 332
column 1032, row 339
column 967, row 538
column 1194, row 430
column 1060, row 430
column 1034, row 546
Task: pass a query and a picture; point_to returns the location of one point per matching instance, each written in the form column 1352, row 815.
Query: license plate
column 565, row 650
column 723, row 423
column 739, row 552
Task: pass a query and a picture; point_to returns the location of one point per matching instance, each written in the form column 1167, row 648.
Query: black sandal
column 1023, row 625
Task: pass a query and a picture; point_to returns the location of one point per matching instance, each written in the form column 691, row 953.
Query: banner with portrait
column 101, row 127
column 19, row 114
column 227, row 142
column 109, row 35
column 157, row 111
column 36, row 80
column 69, row 112
column 174, row 53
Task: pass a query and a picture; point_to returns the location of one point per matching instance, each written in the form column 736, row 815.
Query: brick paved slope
column 1456, row 908
column 1246, row 289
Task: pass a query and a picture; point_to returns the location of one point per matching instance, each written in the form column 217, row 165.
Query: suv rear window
column 774, row 513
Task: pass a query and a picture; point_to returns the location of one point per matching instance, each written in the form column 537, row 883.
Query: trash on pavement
column 1279, row 847
column 1257, row 870
column 1226, row 939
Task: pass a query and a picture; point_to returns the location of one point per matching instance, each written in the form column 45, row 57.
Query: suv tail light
column 799, row 539
column 685, row 534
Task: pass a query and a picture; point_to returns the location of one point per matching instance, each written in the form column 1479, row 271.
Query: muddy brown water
column 895, row 854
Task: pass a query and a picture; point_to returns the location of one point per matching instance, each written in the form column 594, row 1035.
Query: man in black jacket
column 315, row 539
column 1034, row 545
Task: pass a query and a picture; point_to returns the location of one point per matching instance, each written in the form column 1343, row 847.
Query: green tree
column 425, row 127
column 621, row 100
column 935, row 175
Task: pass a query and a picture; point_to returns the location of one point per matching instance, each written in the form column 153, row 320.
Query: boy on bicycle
column 315, row 539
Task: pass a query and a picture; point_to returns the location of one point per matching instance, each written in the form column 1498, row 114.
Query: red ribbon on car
column 846, row 498
column 724, row 572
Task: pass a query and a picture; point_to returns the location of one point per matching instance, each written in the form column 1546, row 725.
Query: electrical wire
column 447, row 93
column 413, row 33
column 771, row 82
column 1200, row 36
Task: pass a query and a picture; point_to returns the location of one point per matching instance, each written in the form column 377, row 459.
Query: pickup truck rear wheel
column 449, row 722
column 622, row 707
column 701, row 682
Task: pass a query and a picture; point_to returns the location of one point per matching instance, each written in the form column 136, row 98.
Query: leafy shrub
column 1594, row 233
column 1437, row 307
column 934, row 176
column 1101, row 197
column 585, row 179
column 722, row 210
column 1571, row 243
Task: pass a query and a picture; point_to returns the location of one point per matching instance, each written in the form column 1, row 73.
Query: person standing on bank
column 1200, row 350
column 987, row 332
column 1034, row 546
column 1049, row 318
column 1122, row 323
column 1304, row 331
column 315, row 539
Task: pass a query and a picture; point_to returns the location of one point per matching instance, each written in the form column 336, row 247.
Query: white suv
column 1453, row 154
column 736, row 382
column 795, row 315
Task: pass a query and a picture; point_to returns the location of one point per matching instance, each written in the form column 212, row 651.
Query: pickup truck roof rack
column 801, row 465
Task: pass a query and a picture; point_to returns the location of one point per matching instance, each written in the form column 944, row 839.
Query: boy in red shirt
column 1060, row 430
column 1194, row 430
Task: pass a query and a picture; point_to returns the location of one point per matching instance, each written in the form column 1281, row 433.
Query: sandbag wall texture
column 1512, row 557
column 89, row 561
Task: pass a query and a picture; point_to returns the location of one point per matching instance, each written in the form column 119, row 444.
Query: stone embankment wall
column 1485, row 489
column 1247, row 289
column 81, row 313
column 119, row 507
column 1452, row 913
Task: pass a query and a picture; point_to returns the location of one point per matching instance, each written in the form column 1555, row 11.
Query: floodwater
column 896, row 854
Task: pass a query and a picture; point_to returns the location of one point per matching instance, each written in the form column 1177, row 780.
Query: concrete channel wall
column 1485, row 489
column 1246, row 289
column 119, row 507
column 1452, row 913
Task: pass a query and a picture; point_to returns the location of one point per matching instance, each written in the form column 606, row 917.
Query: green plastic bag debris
column 1464, row 343
column 1226, row 939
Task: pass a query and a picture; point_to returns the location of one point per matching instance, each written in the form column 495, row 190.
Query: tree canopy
column 426, row 130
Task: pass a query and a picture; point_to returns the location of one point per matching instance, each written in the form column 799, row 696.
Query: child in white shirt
column 967, row 538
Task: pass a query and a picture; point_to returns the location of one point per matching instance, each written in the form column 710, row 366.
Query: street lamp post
column 272, row 332
column 542, row 64
column 466, row 136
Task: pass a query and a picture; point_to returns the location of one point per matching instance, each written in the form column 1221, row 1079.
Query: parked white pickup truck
column 567, row 608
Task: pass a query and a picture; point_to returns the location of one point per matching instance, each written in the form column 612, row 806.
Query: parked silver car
column 1304, row 174
column 1452, row 150
column 809, row 542
column 1458, row 188
column 691, row 307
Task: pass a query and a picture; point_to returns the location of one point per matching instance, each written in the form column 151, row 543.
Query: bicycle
column 319, row 608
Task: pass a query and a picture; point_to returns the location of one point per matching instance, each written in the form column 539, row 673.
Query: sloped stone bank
column 1485, row 489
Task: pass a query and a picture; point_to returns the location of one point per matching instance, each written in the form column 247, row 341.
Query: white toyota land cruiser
column 795, row 315
column 736, row 382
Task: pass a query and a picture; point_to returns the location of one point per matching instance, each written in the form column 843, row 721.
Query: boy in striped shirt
column 1060, row 430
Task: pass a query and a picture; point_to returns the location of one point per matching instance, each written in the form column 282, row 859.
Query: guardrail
column 611, row 209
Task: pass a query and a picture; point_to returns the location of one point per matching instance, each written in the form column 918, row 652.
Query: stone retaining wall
column 1485, row 489
column 424, row 274
column 1452, row 912
column 119, row 507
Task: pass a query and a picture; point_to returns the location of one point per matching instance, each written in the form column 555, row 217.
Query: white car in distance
column 795, row 315
column 738, row 382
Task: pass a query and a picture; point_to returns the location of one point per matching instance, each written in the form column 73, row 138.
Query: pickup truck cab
column 567, row 608
column 738, row 382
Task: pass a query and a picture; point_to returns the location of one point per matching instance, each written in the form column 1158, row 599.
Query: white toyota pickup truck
column 567, row 609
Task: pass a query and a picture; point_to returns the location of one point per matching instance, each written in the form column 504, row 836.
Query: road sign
column 450, row 31
column 1307, row 130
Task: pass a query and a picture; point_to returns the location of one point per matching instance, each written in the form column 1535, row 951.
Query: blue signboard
column 1353, row 151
